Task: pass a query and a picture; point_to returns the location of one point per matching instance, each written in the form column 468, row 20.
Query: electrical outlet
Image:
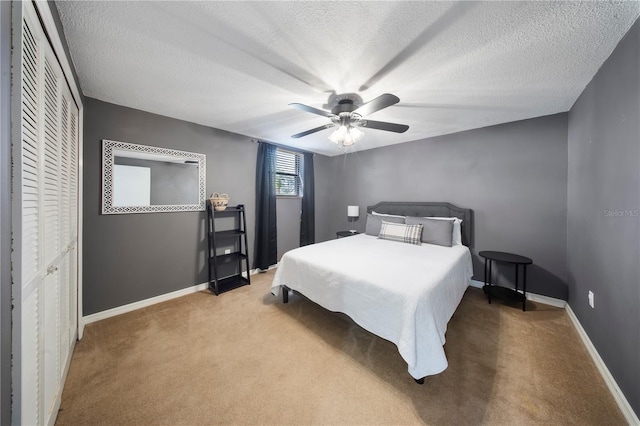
column 227, row 251
column 592, row 297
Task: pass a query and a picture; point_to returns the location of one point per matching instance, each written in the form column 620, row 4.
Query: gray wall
column 132, row 257
column 603, row 242
column 327, row 172
column 5, row 213
column 288, row 222
column 514, row 177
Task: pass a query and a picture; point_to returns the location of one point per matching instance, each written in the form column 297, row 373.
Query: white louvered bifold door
column 73, row 222
column 31, row 257
column 64, row 226
column 68, row 223
column 51, row 241
column 48, row 228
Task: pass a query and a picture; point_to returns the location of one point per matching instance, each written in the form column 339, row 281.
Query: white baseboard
column 540, row 298
column 157, row 299
column 558, row 303
column 143, row 303
column 476, row 284
column 622, row 402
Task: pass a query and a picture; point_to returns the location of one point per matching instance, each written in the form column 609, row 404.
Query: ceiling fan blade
column 308, row 132
column 312, row 110
column 377, row 104
column 382, row 125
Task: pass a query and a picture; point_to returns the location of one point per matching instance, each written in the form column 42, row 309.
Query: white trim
column 44, row 11
column 476, row 283
column 540, row 298
column 79, row 244
column 17, row 15
column 534, row 297
column 143, row 303
column 622, row 402
column 153, row 300
column 6, row 212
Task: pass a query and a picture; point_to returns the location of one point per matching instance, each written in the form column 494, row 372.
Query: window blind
column 288, row 173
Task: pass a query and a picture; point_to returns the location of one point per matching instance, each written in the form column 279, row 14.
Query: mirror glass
column 144, row 179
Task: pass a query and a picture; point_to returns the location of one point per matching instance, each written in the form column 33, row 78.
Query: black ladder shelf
column 227, row 248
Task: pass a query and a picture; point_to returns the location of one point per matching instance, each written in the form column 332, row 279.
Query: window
column 288, row 173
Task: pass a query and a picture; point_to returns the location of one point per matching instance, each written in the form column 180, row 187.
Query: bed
column 404, row 293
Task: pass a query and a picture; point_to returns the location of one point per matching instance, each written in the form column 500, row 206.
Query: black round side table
column 503, row 292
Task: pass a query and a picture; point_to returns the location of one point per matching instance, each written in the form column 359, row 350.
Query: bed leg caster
column 285, row 294
column 420, row 381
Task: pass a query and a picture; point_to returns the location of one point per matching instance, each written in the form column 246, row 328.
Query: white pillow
column 456, row 238
column 387, row 215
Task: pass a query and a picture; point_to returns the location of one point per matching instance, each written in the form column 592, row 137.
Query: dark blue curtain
column 266, row 245
column 308, row 216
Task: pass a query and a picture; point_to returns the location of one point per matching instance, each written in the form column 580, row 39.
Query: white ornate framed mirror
column 148, row 179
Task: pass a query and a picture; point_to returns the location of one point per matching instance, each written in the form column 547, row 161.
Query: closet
column 45, row 225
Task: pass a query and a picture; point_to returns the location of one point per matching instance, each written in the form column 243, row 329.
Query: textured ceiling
column 237, row 65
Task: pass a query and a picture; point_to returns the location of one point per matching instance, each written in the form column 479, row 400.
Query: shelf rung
column 227, row 258
column 227, row 234
column 229, row 283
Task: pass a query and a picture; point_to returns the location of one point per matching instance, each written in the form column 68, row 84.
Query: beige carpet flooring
column 246, row 358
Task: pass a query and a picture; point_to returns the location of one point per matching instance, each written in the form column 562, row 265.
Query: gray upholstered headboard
column 429, row 209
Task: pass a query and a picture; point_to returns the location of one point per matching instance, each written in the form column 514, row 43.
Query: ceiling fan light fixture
column 356, row 134
column 338, row 135
column 346, row 135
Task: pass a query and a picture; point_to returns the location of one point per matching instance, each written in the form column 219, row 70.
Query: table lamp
column 353, row 212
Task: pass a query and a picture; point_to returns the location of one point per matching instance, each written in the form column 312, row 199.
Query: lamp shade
column 353, row 211
column 346, row 135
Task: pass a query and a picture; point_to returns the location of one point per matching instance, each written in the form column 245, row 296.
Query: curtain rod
column 290, row 148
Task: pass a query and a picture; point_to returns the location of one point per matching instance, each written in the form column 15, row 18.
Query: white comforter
column 401, row 292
